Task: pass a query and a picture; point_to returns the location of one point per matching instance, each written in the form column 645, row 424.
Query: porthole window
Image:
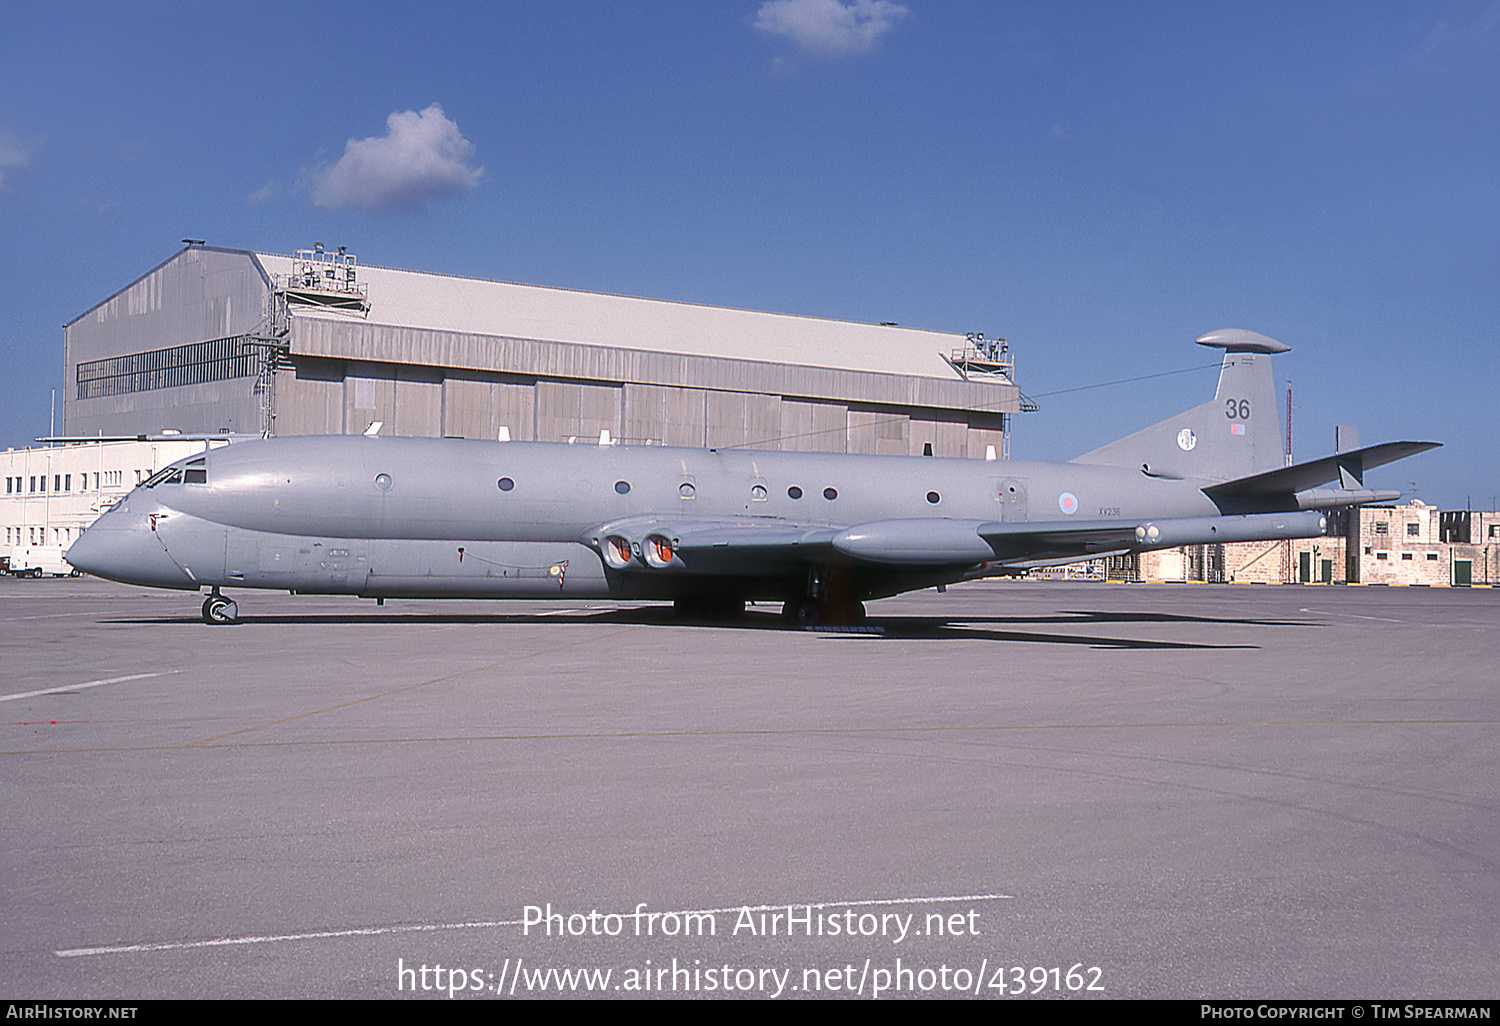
column 794, row 492
column 383, row 482
column 686, row 489
column 758, row 493
column 622, row 487
column 830, row 494
column 506, row 484
column 934, row 498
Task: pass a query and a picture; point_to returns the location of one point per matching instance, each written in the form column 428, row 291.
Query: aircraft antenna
column 1289, row 422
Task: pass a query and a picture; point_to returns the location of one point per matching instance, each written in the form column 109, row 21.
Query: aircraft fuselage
column 426, row 517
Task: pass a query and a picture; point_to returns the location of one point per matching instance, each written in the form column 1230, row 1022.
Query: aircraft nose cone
column 131, row 555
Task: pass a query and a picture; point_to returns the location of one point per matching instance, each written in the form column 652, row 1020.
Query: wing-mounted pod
column 1170, row 533
column 929, row 541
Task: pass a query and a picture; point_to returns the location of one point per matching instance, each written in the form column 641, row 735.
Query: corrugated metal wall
column 344, row 374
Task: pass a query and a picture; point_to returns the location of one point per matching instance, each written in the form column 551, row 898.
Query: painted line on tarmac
column 80, row 687
column 377, row 931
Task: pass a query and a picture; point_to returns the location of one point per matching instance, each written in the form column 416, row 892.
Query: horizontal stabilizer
column 1302, row 476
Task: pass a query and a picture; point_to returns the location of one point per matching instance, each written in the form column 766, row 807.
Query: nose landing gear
column 219, row 610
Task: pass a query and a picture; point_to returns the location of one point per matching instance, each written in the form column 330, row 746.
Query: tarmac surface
column 1191, row 791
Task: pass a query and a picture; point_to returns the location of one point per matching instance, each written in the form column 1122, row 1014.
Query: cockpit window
column 191, row 472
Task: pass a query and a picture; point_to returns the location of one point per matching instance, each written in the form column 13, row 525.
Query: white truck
column 39, row 560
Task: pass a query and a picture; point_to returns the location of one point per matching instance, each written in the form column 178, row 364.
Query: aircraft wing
column 1303, row 476
column 756, row 545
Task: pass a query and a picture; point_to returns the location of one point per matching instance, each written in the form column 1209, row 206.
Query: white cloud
column 421, row 156
column 830, row 27
column 265, row 194
column 1440, row 36
column 13, row 153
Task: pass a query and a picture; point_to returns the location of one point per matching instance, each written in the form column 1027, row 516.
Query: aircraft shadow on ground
column 910, row 628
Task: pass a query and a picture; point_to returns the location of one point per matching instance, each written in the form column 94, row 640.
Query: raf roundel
column 1068, row 503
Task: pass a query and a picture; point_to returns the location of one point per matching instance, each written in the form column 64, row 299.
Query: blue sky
column 1099, row 182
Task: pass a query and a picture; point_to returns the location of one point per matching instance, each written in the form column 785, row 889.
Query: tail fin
column 1236, row 434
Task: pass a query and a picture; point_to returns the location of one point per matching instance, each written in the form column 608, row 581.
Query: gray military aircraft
column 711, row 529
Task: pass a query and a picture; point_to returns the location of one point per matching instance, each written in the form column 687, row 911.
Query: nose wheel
column 219, row 610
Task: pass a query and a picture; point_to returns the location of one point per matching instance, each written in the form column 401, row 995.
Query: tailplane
column 1236, row 434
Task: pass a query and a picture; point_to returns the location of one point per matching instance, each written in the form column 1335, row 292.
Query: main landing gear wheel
column 809, row 613
column 219, row 610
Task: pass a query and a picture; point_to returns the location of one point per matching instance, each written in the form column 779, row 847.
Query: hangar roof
column 440, row 302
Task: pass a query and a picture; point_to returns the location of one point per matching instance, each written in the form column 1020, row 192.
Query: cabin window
column 383, row 482
column 622, row 487
column 686, row 490
column 830, row 494
column 794, row 492
column 758, row 492
column 505, row 484
column 934, row 498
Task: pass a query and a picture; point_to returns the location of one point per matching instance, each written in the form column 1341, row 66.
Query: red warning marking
column 43, row 723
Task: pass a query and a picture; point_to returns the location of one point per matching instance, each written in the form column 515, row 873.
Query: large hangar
column 217, row 339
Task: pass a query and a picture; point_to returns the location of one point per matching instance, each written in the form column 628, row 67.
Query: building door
column 1463, row 572
column 1325, row 571
column 1304, row 567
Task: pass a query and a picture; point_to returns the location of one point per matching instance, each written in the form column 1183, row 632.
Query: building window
column 193, row 364
column 1413, row 530
column 1381, row 527
column 1406, row 555
column 67, row 482
column 1432, row 557
column 1382, row 555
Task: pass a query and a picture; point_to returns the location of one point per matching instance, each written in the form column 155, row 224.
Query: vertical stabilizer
column 1236, row 434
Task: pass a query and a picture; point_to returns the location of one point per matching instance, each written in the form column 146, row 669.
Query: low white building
column 53, row 492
